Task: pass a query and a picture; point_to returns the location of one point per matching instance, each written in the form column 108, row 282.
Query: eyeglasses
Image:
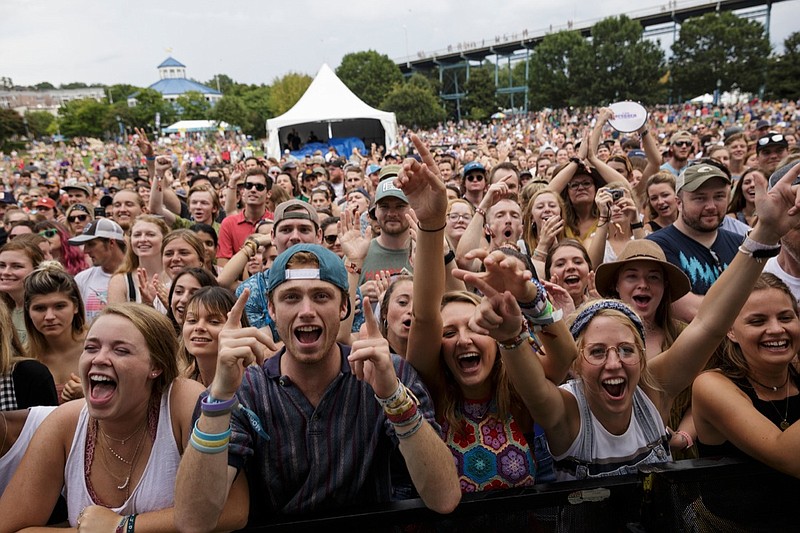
column 75, row 218
column 331, row 239
column 575, row 185
column 776, row 138
column 597, row 354
column 455, row 217
column 49, row 233
column 682, row 143
column 475, row 177
column 260, row 187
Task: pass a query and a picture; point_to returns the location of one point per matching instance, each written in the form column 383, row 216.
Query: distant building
column 173, row 83
column 48, row 99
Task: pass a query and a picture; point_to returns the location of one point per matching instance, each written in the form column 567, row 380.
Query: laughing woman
column 114, row 456
column 612, row 418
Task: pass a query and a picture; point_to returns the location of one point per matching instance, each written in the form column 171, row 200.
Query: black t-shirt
column 33, row 384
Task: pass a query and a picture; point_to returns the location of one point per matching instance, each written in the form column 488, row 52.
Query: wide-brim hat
column 605, row 276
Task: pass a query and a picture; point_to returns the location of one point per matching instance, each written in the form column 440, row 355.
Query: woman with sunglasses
column 330, row 235
column 612, row 417
column 72, row 257
column 78, row 217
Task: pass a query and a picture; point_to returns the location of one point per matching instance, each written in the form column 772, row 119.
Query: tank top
column 595, row 452
column 10, row 461
column 156, row 488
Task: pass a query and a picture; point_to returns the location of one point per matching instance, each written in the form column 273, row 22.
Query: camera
column 616, row 195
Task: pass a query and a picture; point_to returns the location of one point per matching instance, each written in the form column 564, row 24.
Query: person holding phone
column 619, row 223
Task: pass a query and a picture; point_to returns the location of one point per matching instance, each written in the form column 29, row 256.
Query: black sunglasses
column 475, row 177
column 682, row 143
column 49, row 233
column 75, row 218
column 331, row 239
column 260, row 187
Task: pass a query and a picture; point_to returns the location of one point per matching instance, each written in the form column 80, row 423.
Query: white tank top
column 156, row 488
column 10, row 461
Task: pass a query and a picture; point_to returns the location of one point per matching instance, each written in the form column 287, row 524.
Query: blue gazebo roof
column 171, row 62
column 181, row 86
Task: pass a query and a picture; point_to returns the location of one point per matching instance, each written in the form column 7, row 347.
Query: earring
column 153, row 375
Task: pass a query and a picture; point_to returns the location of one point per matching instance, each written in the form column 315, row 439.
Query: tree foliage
column 481, row 99
column 148, row 103
column 557, row 68
column 224, row 82
column 370, row 75
column 84, row 118
column 415, row 104
column 193, row 106
column 720, row 48
column 231, row 109
column 784, row 71
column 286, row 91
column 11, row 124
column 39, row 122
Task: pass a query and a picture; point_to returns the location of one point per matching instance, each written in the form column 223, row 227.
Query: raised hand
column 370, row 359
column 423, row 186
column 604, row 202
column 498, row 315
column 778, row 209
column 354, row 245
column 238, row 348
column 559, row 297
column 549, row 232
column 143, row 143
column 502, row 273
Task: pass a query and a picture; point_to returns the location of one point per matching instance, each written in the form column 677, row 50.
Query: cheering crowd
column 480, row 307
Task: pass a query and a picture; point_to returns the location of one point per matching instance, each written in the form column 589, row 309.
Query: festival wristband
column 211, row 407
column 212, row 437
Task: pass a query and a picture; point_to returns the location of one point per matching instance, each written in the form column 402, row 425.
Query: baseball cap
column 636, row 153
column 319, row 170
column 46, row 202
column 331, row 268
column 289, row 164
column 7, row 198
column 762, row 124
column 295, row 209
column 78, row 186
column 473, row 165
column 372, row 169
column 771, row 139
column 337, row 162
column 101, row 228
column 681, row 135
column 389, row 171
column 694, row 176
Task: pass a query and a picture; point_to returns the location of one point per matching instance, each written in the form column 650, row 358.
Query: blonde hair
column 11, row 350
column 131, row 261
column 530, row 233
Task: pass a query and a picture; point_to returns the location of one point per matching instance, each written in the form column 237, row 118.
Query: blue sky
column 256, row 41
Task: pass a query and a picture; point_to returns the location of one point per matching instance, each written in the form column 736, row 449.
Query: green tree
column 370, row 75
column 480, row 101
column 84, row 118
column 120, row 92
column 625, row 65
column 193, row 106
column 720, row 50
column 558, row 66
column 44, row 86
column 11, row 124
column 257, row 100
column 148, row 103
column 39, row 122
column 231, row 109
column 225, row 82
column 784, row 71
column 415, row 104
column 286, row 91
column 74, row 85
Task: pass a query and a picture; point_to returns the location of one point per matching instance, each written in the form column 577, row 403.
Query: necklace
column 126, row 483
column 774, row 389
column 123, row 441
column 784, row 425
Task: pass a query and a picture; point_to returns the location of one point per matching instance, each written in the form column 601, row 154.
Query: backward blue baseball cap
column 331, row 268
column 473, row 165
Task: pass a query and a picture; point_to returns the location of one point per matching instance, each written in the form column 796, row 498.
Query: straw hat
column 641, row 250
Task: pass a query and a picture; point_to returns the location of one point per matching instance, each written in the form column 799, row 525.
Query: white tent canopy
column 190, row 126
column 330, row 109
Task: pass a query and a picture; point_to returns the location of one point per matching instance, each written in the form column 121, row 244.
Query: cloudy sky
column 253, row 41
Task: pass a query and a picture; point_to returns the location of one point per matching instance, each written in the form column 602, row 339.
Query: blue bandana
column 586, row 316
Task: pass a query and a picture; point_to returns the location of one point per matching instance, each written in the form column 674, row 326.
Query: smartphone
column 99, row 212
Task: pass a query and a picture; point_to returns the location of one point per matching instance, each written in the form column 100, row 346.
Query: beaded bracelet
column 396, row 396
column 413, row 430
column 121, row 526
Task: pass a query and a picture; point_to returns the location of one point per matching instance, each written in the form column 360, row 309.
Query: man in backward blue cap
column 312, row 425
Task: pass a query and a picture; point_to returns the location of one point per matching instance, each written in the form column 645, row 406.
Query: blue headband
column 586, row 316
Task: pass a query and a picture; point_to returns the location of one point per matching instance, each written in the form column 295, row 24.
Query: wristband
column 431, row 230
column 131, row 523
column 212, row 407
column 686, row 437
column 449, row 256
column 150, row 158
column 516, row 342
column 757, row 250
column 353, row 268
column 212, row 437
column 121, row 525
column 637, row 225
column 480, row 211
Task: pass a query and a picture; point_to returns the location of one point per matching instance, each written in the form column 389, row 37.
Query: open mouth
column 615, row 387
column 407, row 323
column 101, row 387
column 469, row 361
column 775, row 345
column 572, row 280
column 308, row 334
column 642, row 299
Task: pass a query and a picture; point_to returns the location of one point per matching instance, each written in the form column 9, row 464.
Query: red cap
column 46, row 202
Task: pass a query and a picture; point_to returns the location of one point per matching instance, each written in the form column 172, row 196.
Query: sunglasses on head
column 49, row 233
column 75, row 218
column 475, row 177
column 331, row 239
column 776, row 138
column 260, row 187
column 682, row 143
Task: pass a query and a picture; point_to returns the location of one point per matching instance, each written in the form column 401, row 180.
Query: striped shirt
column 334, row 455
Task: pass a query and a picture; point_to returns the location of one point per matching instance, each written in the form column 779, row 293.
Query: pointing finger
column 371, row 324
column 235, row 315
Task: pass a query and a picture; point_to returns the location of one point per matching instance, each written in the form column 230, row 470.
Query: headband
column 586, row 316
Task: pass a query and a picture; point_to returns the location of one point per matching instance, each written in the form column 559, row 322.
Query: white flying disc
column 628, row 116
